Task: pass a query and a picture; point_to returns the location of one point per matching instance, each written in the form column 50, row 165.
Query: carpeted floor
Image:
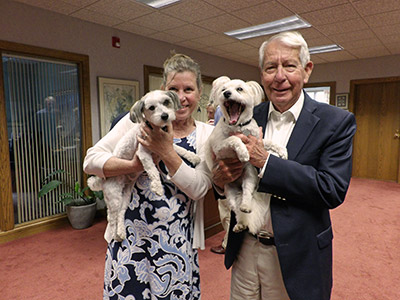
column 68, row 264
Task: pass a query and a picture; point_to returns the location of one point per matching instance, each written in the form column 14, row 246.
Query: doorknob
column 397, row 134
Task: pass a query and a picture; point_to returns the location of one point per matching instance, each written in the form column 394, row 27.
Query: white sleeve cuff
column 261, row 173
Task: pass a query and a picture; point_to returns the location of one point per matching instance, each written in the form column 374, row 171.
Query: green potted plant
column 80, row 203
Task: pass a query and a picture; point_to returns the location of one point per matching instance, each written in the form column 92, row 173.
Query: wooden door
column 376, row 104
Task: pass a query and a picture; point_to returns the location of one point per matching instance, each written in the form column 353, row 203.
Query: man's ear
column 308, row 69
column 136, row 112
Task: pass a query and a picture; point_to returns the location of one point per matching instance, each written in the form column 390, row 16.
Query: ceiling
column 364, row 28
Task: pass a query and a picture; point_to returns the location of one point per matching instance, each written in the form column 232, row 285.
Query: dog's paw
column 120, row 233
column 239, row 227
column 157, row 188
column 244, row 156
column 245, row 208
column 196, row 160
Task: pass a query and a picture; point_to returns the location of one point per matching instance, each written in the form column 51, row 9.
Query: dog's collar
column 148, row 124
column 165, row 128
column 241, row 124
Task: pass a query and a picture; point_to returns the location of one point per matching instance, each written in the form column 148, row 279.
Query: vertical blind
column 44, row 130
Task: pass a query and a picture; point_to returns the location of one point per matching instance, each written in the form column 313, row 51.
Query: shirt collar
column 294, row 110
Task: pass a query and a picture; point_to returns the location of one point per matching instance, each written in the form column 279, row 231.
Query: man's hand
column 255, row 146
column 226, row 171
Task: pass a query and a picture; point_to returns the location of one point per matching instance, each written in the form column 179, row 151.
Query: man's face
column 282, row 75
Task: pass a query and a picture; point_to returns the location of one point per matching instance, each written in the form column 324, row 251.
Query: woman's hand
column 156, row 139
column 161, row 143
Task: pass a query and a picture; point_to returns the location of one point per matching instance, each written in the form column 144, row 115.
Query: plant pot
column 81, row 216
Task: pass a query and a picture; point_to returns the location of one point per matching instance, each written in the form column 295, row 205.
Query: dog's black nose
column 164, row 116
column 227, row 94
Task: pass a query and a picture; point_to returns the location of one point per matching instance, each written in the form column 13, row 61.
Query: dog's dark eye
column 239, row 89
column 152, row 107
column 166, row 102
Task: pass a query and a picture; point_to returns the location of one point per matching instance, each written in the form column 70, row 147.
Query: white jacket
column 194, row 182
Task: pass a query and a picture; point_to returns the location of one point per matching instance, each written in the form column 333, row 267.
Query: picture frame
column 115, row 97
column 342, row 100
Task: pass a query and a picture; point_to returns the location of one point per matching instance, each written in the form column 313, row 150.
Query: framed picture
column 342, row 100
column 115, row 97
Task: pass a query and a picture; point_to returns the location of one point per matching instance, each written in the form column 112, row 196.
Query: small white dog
column 237, row 100
column 158, row 108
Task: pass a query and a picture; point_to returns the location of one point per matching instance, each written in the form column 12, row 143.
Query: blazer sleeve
column 320, row 173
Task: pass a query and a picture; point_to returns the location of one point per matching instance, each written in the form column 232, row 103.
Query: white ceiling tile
column 359, row 44
column 91, row 16
column 215, row 39
column 372, row 7
column 189, row 32
column 331, row 15
column 336, row 56
column 158, row 21
column 302, row 6
column 353, row 36
column 370, row 52
column 134, row 28
column 223, row 23
column 59, row 7
column 388, row 18
column 192, row 11
column 233, row 5
column 234, row 47
column 166, row 37
column 122, row 9
column 271, row 11
column 342, row 27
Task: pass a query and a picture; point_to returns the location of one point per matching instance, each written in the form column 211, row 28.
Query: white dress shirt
column 278, row 130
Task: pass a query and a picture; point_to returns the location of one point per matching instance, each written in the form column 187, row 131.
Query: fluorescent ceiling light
column 327, row 48
column 290, row 23
column 158, row 3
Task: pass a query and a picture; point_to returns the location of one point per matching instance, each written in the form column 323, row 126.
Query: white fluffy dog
column 237, row 100
column 158, row 108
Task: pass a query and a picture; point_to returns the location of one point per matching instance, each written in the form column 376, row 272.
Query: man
column 210, row 113
column 292, row 257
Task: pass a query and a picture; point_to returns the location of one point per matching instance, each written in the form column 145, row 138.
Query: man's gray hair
column 289, row 38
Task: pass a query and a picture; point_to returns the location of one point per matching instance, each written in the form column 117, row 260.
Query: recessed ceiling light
column 290, row 23
column 327, row 48
column 158, row 3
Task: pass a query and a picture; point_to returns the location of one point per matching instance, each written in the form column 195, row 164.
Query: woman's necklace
column 182, row 130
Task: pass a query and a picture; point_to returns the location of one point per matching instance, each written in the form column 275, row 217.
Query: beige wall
column 28, row 25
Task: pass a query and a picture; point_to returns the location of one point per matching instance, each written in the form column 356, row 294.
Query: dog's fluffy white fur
column 158, row 108
column 237, row 100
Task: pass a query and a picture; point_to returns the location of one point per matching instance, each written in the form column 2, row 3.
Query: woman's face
column 184, row 84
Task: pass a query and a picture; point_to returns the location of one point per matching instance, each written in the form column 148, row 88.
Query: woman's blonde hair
column 180, row 63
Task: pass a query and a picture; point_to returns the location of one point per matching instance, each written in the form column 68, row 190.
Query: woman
column 158, row 259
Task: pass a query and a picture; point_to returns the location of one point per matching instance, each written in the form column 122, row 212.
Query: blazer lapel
column 303, row 128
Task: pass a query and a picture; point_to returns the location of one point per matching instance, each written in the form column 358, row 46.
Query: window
column 322, row 92
column 46, row 112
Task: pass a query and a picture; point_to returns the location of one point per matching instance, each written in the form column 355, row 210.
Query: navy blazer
column 313, row 180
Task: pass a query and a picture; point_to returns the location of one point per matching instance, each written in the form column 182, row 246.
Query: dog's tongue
column 234, row 112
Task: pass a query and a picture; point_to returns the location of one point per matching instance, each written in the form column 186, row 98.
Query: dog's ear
column 136, row 112
column 216, row 86
column 175, row 99
column 257, row 90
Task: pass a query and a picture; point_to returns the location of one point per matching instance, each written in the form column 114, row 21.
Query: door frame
column 8, row 230
column 353, row 87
